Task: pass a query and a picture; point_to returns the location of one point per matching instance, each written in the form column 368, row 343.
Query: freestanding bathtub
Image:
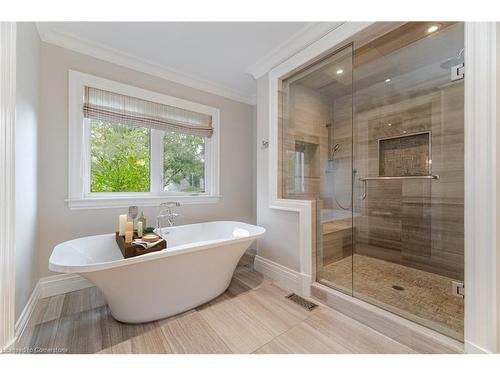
column 196, row 266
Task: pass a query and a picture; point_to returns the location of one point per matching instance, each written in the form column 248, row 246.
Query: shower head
column 332, row 151
column 452, row 61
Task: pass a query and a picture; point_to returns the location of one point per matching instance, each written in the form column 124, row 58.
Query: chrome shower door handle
column 363, row 195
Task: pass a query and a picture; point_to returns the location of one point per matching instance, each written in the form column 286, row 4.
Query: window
column 119, row 158
column 132, row 146
column 183, row 163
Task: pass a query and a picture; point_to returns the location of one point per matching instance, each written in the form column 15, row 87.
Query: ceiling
column 216, row 54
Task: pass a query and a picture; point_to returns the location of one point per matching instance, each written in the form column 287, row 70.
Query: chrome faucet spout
column 166, row 213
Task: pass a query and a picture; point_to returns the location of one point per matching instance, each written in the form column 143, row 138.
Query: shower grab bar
column 365, row 179
column 425, row 177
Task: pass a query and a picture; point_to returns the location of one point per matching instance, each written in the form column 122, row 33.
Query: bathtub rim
column 168, row 252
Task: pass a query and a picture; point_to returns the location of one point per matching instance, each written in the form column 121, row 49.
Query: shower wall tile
column 419, row 224
column 416, row 224
column 305, row 115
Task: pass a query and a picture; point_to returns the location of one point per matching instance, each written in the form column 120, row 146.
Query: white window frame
column 79, row 194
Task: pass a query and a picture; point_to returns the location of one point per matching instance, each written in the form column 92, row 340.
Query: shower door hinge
column 457, row 72
column 458, row 289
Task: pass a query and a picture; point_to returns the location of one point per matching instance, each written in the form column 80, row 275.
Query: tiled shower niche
column 406, row 155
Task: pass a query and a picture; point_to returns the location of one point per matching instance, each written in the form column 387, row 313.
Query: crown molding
column 114, row 56
column 298, row 41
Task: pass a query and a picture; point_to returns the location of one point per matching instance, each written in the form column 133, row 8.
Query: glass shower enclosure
column 374, row 134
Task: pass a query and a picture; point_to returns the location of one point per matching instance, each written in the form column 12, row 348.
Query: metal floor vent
column 308, row 305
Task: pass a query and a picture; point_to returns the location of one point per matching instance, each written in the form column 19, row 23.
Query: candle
column 129, row 231
column 122, row 223
column 129, row 236
column 139, row 229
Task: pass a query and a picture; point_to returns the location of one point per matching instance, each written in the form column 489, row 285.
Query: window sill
column 143, row 201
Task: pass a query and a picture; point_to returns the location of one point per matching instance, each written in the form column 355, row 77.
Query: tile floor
column 252, row 316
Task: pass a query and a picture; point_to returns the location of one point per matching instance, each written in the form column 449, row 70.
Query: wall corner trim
column 7, row 181
column 481, row 327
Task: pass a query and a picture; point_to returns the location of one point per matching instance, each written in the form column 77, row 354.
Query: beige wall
column 58, row 223
column 281, row 242
column 27, row 119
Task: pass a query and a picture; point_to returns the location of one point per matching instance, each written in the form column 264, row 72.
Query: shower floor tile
column 415, row 294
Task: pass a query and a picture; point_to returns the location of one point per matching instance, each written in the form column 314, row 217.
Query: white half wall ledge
column 114, row 56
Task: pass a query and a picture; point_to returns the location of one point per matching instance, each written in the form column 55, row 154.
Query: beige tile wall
column 417, row 223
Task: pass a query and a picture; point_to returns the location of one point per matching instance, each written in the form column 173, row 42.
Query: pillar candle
column 129, row 231
column 139, row 229
column 129, row 237
column 122, row 223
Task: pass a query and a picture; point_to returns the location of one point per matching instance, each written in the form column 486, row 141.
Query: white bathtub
column 196, row 267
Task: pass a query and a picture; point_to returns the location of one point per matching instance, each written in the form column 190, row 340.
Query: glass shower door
column 335, row 207
column 408, row 209
column 316, row 158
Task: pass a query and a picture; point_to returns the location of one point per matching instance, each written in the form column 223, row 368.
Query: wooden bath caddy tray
column 129, row 250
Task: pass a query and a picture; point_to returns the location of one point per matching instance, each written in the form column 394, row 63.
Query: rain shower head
column 453, row 61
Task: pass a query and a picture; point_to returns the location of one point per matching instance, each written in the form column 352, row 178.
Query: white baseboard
column 283, row 276
column 471, row 348
column 47, row 287
column 23, row 319
column 10, row 343
column 62, row 283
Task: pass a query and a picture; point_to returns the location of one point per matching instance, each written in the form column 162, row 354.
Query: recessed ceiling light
column 432, row 28
column 387, row 80
column 340, row 71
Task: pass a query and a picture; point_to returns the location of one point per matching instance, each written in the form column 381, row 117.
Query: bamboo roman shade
column 126, row 110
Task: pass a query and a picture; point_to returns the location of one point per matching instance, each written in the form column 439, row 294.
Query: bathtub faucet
column 166, row 213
